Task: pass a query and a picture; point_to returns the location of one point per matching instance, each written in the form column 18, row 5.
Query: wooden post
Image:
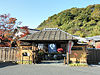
column 29, row 59
column 9, row 54
column 22, row 59
column 64, row 61
column 0, row 54
column 20, row 52
column 33, row 54
column 14, row 54
column 4, row 54
column 67, row 55
column 67, row 58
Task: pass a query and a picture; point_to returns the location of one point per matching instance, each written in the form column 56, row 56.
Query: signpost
column 70, row 44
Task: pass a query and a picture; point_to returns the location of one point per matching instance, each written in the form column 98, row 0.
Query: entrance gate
column 93, row 56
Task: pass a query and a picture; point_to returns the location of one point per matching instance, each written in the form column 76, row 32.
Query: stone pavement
column 60, row 63
column 93, row 65
column 49, row 62
column 9, row 68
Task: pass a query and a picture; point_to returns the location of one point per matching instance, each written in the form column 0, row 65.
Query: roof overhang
column 49, row 35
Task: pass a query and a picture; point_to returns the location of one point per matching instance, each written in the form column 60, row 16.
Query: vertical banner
column 70, row 44
column 52, row 48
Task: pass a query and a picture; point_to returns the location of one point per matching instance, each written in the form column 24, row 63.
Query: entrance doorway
column 48, row 57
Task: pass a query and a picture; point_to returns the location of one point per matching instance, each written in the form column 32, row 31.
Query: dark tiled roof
column 29, row 29
column 49, row 34
column 95, row 38
column 25, row 44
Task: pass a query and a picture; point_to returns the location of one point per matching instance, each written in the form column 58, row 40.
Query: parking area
column 9, row 68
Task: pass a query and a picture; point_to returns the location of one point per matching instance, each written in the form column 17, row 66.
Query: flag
column 70, row 44
column 52, row 48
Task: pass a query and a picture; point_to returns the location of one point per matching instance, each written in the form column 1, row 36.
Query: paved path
column 42, row 69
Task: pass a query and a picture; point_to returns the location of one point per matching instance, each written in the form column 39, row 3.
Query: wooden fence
column 8, row 54
column 93, row 56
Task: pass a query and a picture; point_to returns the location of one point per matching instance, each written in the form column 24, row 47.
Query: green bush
column 78, row 64
column 40, row 53
column 24, row 62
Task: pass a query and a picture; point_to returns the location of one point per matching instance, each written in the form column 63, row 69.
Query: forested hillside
column 84, row 22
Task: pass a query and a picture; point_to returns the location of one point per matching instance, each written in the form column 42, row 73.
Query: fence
column 8, row 53
column 93, row 56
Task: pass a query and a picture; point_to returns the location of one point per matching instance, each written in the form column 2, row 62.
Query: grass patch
column 78, row 64
column 24, row 62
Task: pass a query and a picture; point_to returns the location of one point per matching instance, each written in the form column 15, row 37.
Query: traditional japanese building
column 51, row 36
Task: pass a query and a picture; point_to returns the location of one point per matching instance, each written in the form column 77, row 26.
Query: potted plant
column 83, row 58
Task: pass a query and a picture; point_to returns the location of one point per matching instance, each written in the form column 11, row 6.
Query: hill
column 84, row 22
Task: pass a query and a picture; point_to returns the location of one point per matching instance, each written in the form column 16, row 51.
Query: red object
column 69, row 49
column 60, row 50
column 75, row 54
column 98, row 46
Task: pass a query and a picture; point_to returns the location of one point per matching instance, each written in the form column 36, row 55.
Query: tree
column 7, row 25
column 25, row 32
column 25, row 28
column 80, row 21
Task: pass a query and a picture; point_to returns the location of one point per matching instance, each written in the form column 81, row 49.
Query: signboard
column 70, row 44
column 97, row 45
column 40, row 46
column 92, row 43
column 52, row 48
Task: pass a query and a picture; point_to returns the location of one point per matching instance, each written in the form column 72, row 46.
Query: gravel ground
column 9, row 68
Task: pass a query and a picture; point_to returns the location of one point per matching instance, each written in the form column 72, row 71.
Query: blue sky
column 34, row 12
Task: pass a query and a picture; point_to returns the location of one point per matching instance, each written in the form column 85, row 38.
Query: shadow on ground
column 6, row 64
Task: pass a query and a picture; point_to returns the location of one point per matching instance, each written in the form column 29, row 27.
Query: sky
column 33, row 12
